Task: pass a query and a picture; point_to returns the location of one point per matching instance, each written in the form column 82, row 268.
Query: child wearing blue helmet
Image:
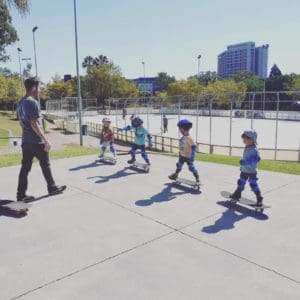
column 187, row 150
column 141, row 134
column 249, row 168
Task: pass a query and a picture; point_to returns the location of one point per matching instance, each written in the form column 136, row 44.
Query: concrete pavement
column 119, row 234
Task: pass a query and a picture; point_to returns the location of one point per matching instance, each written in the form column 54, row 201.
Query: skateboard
column 245, row 202
column 195, row 185
column 141, row 166
column 108, row 160
column 16, row 207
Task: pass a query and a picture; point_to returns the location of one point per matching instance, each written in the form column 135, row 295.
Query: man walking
column 34, row 141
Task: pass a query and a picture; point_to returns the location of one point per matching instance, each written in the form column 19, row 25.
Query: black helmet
column 136, row 122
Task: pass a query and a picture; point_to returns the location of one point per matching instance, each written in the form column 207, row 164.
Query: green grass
column 3, row 133
column 70, row 150
column 9, row 121
column 265, row 164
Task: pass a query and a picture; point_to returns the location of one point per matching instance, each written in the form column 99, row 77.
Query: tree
column 15, row 89
column 163, row 81
column 224, row 91
column 8, row 34
column 190, row 87
column 60, row 89
column 275, row 71
column 26, row 70
column 252, row 82
column 3, row 88
column 95, row 61
column 206, row 77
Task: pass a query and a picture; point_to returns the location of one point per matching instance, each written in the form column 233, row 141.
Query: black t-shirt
column 28, row 109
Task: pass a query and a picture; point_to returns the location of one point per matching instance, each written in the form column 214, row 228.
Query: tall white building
column 244, row 57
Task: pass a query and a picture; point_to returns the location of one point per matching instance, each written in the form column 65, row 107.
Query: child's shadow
column 119, row 174
column 233, row 214
column 165, row 195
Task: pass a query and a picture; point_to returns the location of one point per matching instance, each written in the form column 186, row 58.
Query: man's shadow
column 122, row 173
column 165, row 195
column 233, row 214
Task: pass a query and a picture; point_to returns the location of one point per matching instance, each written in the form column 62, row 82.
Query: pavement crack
column 241, row 257
column 93, row 265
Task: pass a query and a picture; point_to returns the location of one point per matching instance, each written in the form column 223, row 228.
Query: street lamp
column 78, row 77
column 20, row 50
column 34, row 29
column 199, row 57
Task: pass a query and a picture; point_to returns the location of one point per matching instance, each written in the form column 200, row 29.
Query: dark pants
column 143, row 151
column 252, row 178
column 29, row 152
column 182, row 160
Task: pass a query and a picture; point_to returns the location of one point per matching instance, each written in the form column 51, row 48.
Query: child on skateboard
column 187, row 150
column 249, row 168
column 141, row 134
column 107, row 138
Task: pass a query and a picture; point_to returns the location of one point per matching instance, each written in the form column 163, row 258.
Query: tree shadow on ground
column 232, row 215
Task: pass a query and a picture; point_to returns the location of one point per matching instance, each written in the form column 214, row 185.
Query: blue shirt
column 28, row 109
column 141, row 134
column 250, row 160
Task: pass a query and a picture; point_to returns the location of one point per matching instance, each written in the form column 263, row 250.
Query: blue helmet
column 136, row 122
column 185, row 124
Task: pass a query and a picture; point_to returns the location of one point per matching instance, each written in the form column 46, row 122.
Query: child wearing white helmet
column 249, row 168
column 107, row 138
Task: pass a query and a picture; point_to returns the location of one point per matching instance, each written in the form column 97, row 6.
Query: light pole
column 20, row 50
column 34, row 29
column 199, row 57
column 78, row 77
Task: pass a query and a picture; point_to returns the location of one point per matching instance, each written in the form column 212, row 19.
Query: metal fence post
column 230, row 129
column 210, row 125
column 148, row 124
column 197, row 117
column 179, row 108
column 276, row 130
column 116, row 116
column 252, row 110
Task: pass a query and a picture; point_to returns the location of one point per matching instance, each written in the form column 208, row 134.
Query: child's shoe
column 259, row 200
column 173, row 176
column 236, row 195
column 131, row 161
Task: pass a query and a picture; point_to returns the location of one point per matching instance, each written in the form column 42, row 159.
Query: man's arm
column 37, row 129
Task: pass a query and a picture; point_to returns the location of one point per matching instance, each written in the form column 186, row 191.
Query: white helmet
column 106, row 120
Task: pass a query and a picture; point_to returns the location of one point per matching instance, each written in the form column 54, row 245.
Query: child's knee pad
column 179, row 166
column 103, row 148
column 132, row 151
column 254, row 185
column 112, row 149
column 241, row 183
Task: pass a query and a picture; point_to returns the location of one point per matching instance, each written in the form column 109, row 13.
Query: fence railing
column 218, row 119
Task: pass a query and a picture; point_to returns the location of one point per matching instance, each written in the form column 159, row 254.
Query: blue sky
column 167, row 34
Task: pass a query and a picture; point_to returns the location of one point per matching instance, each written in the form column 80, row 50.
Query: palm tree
column 88, row 61
column 22, row 6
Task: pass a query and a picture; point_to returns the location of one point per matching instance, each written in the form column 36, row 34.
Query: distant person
column 249, row 168
column 34, row 141
column 107, row 138
column 124, row 113
column 165, row 123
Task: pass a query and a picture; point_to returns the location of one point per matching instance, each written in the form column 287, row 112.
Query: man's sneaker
column 57, row 190
column 25, row 198
column 101, row 155
column 173, row 176
column 148, row 163
column 131, row 161
column 259, row 200
column 236, row 195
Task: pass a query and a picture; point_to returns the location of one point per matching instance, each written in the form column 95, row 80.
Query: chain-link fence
column 218, row 119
